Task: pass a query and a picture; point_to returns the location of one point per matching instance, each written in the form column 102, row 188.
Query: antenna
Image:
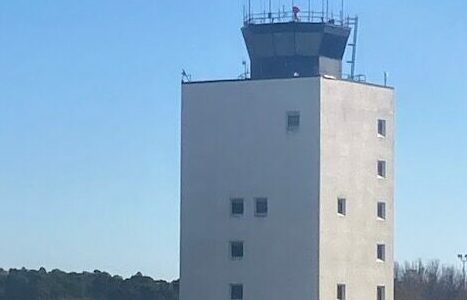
column 246, row 72
column 270, row 10
column 353, row 22
column 342, row 12
column 244, row 13
column 185, row 76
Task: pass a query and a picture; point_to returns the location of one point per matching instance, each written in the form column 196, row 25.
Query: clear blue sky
column 89, row 123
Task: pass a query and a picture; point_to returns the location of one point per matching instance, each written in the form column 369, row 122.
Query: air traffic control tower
column 287, row 177
column 295, row 49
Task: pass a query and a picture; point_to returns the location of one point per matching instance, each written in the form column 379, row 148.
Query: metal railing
column 290, row 16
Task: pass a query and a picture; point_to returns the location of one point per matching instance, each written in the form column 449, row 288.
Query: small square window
column 381, row 293
column 382, row 210
column 261, row 207
column 293, row 120
column 382, row 128
column 236, row 207
column 381, row 252
column 382, row 168
column 341, row 292
column 236, row 250
column 236, row 291
column 342, row 206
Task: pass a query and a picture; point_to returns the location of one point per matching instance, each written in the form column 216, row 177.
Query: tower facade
column 287, row 178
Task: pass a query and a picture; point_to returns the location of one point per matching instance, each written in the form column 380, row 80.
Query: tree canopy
column 432, row 281
column 413, row 281
column 57, row 285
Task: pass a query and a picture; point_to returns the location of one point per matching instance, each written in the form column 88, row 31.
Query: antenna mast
column 353, row 60
column 342, row 12
column 270, row 12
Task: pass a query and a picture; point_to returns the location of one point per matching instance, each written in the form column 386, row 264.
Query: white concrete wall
column 235, row 144
column 350, row 149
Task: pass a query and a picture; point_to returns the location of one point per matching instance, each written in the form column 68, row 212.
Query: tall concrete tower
column 287, row 177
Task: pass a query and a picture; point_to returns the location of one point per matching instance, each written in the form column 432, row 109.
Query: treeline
column 432, row 281
column 414, row 281
column 57, row 285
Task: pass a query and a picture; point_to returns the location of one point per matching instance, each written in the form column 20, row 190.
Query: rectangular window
column 382, row 210
column 381, row 293
column 293, row 120
column 261, row 207
column 236, row 207
column 342, row 206
column 382, row 128
column 236, row 250
column 382, row 168
column 381, row 252
column 341, row 292
column 236, row 291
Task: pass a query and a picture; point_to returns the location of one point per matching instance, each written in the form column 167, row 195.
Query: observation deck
column 287, row 44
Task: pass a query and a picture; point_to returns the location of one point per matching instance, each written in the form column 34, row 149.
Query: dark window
column 236, row 250
column 382, row 128
column 381, row 252
column 342, row 206
column 382, row 210
column 237, row 207
column 236, row 291
column 381, row 168
column 381, row 293
column 293, row 120
column 261, row 207
column 341, row 292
